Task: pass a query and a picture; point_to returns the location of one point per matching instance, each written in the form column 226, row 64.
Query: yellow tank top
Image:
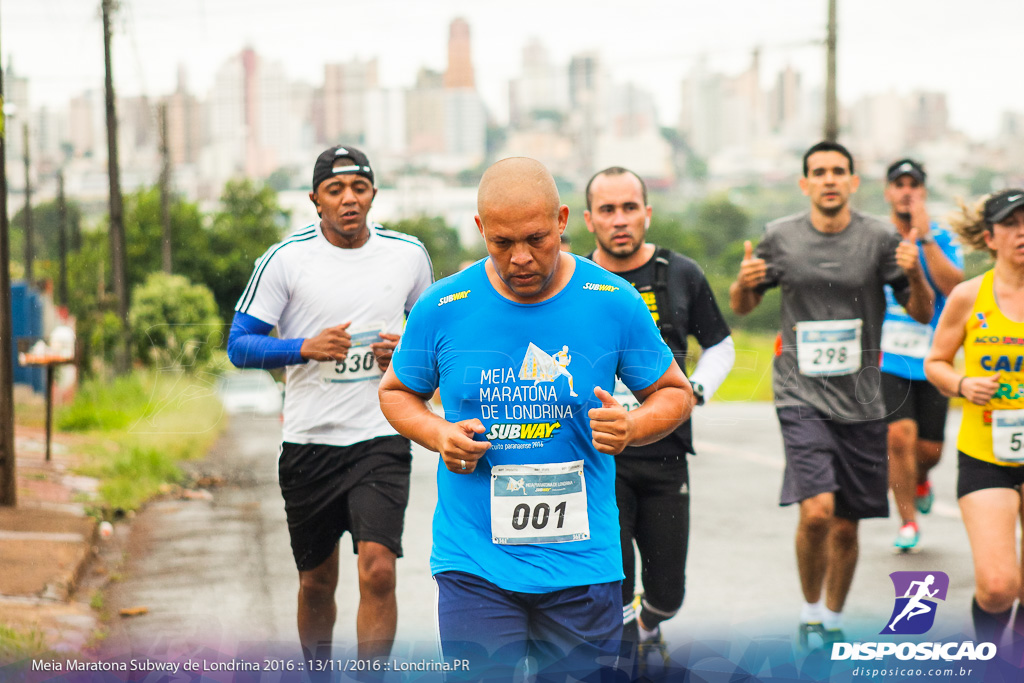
column 994, row 343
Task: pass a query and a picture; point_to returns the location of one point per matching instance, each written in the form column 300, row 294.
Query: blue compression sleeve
column 250, row 346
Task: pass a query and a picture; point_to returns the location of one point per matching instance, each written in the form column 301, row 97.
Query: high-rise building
column 460, row 62
column 344, row 100
column 86, row 125
column 16, row 104
column 542, row 87
column 878, row 126
column 588, row 91
column 385, row 138
column 784, row 101
column 425, row 114
column 252, row 128
column 184, row 123
column 927, row 117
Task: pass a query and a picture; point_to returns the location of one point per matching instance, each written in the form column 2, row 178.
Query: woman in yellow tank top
column 985, row 315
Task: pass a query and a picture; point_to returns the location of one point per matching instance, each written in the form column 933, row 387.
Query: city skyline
column 917, row 45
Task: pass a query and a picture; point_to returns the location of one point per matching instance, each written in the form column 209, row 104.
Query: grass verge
column 138, row 428
column 17, row 645
column 751, row 375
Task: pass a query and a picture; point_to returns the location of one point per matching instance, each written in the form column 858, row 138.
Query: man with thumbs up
column 832, row 264
column 525, row 346
column 915, row 409
column 652, row 484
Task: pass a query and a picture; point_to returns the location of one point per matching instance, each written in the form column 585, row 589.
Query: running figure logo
column 516, row 485
column 914, row 611
column 541, row 367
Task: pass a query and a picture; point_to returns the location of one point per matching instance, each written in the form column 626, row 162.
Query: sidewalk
column 46, row 543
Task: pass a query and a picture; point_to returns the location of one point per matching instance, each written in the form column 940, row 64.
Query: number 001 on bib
column 539, row 504
column 828, row 347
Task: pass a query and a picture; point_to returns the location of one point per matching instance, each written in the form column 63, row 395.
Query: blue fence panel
column 27, row 314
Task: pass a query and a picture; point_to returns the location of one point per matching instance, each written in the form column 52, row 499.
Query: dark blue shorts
column 573, row 632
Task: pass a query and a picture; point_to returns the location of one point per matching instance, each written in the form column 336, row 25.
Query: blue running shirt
column 904, row 340
column 528, row 372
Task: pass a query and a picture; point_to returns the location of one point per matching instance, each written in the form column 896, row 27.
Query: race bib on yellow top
column 906, row 339
column 360, row 364
column 1008, row 435
column 624, row 396
column 544, row 503
column 828, row 347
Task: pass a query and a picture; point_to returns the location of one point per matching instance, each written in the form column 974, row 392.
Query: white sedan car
column 251, row 392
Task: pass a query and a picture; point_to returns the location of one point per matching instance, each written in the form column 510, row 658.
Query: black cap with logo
column 906, row 167
column 1002, row 204
column 324, row 167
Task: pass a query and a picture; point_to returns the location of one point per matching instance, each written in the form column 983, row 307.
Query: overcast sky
column 968, row 49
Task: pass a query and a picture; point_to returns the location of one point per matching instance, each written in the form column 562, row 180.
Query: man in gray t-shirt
column 832, row 265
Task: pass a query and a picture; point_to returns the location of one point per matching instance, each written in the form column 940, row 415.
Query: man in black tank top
column 652, row 482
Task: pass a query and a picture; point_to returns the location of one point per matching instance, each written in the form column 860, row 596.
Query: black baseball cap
column 1002, row 204
column 906, row 167
column 324, row 166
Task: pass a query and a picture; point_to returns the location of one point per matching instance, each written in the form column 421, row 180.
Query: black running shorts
column 849, row 459
column 917, row 400
column 362, row 489
column 975, row 475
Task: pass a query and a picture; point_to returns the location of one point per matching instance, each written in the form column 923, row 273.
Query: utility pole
column 8, row 483
column 165, row 187
column 831, row 102
column 62, row 242
column 118, row 262
column 29, row 254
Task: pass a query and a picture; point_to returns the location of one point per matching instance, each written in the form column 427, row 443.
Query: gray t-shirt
column 831, row 277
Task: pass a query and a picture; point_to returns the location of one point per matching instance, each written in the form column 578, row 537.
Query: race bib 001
column 1008, row 435
column 360, row 364
column 539, row 504
column 902, row 338
column 828, row 347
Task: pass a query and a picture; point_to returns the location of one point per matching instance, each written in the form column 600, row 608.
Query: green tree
column 174, row 322
column 441, row 240
column 45, row 231
column 144, row 236
column 249, row 221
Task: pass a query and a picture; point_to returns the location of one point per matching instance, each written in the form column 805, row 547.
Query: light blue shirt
column 898, row 321
column 516, row 367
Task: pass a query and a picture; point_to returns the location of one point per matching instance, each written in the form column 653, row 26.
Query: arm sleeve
column 415, row 359
column 644, row 356
column 267, row 293
column 714, row 366
column 250, row 346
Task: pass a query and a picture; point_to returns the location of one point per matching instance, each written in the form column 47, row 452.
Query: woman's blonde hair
column 969, row 223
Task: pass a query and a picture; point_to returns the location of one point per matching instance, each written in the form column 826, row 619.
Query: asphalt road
column 217, row 574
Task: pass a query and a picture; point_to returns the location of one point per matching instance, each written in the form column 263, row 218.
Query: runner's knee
column 902, row 435
column 377, row 570
column 996, row 590
column 817, row 513
column 318, row 585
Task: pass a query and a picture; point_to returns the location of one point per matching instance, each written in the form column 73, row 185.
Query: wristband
column 959, row 387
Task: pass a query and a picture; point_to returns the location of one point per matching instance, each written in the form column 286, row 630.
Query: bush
column 174, row 322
